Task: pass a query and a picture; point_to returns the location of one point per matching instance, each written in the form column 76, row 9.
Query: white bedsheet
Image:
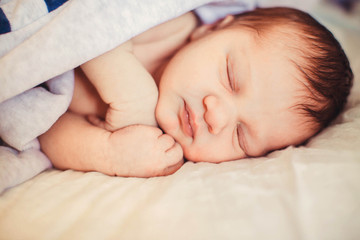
column 311, row 192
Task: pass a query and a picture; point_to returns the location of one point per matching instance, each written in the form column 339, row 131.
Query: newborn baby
column 240, row 87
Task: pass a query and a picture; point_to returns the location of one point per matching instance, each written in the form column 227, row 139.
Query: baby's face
column 225, row 96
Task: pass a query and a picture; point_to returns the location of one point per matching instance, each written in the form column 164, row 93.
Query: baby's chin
column 205, row 155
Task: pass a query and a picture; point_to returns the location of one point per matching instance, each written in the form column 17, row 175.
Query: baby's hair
column 320, row 59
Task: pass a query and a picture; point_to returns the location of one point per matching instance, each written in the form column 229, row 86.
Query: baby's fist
column 144, row 151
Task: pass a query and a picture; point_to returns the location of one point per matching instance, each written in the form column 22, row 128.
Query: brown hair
column 322, row 63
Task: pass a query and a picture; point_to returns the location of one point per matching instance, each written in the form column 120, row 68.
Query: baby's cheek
column 166, row 122
column 197, row 154
column 211, row 153
column 165, row 114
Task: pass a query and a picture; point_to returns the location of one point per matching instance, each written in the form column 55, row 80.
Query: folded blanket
column 42, row 41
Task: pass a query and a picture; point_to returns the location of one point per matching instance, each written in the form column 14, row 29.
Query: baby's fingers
column 175, row 152
column 172, row 149
column 173, row 168
column 166, row 142
column 95, row 120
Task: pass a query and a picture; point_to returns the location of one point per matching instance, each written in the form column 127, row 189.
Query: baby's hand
column 142, row 151
column 141, row 111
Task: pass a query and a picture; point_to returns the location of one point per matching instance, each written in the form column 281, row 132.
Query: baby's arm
column 134, row 151
column 125, row 85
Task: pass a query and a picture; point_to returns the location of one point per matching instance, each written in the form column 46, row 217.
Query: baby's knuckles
column 142, row 151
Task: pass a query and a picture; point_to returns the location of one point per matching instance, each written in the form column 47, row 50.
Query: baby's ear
column 205, row 29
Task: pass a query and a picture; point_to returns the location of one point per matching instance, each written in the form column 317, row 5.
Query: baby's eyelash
column 237, row 132
column 240, row 136
column 230, row 74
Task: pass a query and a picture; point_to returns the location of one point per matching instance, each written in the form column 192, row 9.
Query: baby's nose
column 215, row 115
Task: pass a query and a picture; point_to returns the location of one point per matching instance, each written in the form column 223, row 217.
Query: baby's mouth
column 186, row 121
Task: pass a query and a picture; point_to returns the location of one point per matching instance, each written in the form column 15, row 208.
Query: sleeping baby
column 240, row 87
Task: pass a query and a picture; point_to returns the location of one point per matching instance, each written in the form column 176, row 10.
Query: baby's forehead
column 288, row 35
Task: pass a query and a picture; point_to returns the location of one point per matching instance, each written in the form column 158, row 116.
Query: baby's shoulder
column 157, row 44
column 182, row 25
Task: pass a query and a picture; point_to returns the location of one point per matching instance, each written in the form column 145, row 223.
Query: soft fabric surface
column 311, row 192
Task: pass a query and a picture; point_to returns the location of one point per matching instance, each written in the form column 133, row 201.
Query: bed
column 309, row 192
